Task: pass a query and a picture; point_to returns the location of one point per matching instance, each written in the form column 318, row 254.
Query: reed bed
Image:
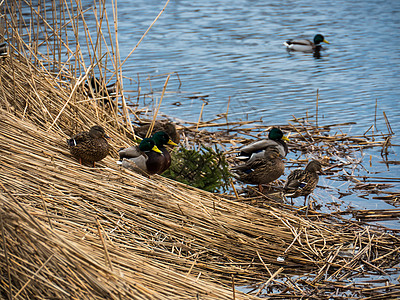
column 71, row 231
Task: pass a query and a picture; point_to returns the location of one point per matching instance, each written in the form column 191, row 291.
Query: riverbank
column 71, row 231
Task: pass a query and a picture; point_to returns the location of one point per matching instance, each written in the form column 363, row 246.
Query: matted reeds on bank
column 73, row 232
column 69, row 230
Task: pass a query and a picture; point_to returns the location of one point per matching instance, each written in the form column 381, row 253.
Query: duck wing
column 249, row 166
column 296, row 180
column 300, row 45
column 79, row 138
column 255, row 150
column 130, row 152
column 149, row 161
column 137, row 164
column 303, row 42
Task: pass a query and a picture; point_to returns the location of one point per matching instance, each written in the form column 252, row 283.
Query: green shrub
column 205, row 168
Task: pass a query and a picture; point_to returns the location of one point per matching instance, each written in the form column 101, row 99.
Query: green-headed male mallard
column 256, row 150
column 261, row 170
column 303, row 182
column 144, row 157
column 161, row 138
column 89, row 146
column 304, row 45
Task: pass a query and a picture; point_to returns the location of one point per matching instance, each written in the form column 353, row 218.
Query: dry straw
column 73, row 232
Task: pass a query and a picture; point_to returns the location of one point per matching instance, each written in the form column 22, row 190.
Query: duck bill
column 170, row 142
column 107, row 137
column 155, row 149
column 325, row 41
column 285, row 138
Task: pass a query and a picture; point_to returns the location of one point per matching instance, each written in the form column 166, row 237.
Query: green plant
column 205, row 168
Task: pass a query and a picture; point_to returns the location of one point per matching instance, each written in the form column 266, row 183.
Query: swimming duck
column 304, row 45
column 144, row 157
column 161, row 138
column 256, row 150
column 261, row 170
column 89, row 146
column 303, row 182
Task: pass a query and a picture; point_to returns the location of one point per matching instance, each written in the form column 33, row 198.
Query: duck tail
column 287, row 43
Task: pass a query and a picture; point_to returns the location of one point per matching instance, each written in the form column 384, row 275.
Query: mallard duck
column 144, row 157
column 261, row 170
column 161, row 138
column 89, row 146
column 97, row 87
column 303, row 182
column 256, row 150
column 159, row 125
column 306, row 45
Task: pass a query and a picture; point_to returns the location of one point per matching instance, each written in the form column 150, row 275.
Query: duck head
column 97, row 132
column 319, row 38
column 162, row 138
column 148, row 144
column 276, row 134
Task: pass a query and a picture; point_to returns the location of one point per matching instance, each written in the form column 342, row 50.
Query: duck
column 159, row 125
column 262, row 170
column 305, row 45
column 89, row 146
column 160, row 139
column 145, row 157
column 256, row 149
column 96, row 86
column 303, row 182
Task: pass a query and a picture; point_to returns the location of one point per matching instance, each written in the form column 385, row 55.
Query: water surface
column 234, row 50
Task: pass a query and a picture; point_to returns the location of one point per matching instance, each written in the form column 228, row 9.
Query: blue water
column 235, row 50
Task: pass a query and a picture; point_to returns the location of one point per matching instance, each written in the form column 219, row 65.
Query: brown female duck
column 261, row 170
column 89, row 146
column 303, row 182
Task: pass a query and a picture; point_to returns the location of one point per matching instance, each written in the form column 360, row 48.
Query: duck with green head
column 262, row 170
column 89, row 146
column 161, row 139
column 144, row 157
column 256, row 149
column 305, row 45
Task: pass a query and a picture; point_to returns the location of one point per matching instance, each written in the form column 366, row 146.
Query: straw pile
column 71, row 231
